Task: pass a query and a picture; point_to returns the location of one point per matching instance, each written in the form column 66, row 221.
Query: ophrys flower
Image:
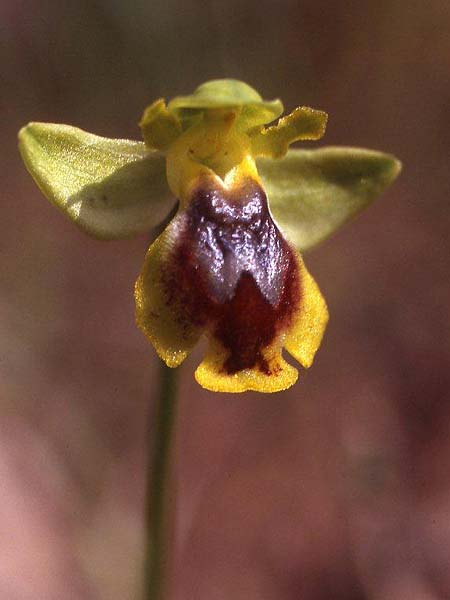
column 228, row 264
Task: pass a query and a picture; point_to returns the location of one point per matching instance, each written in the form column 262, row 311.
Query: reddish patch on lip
column 232, row 272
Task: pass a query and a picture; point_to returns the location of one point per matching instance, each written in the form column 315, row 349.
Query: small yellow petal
column 159, row 126
column 303, row 123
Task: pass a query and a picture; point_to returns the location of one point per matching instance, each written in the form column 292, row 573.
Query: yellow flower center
column 214, row 147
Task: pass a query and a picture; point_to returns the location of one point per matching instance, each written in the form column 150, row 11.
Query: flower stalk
column 160, row 498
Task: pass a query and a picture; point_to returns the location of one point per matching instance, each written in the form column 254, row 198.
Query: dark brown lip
column 232, row 272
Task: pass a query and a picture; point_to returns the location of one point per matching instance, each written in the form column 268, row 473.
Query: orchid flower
column 228, row 264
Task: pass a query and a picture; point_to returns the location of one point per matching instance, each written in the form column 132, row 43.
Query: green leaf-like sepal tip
column 314, row 192
column 110, row 188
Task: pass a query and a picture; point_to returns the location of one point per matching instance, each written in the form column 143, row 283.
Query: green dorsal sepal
column 251, row 110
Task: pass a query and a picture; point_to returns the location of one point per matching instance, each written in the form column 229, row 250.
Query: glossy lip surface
column 232, row 272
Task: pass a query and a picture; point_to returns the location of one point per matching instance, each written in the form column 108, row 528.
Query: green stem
column 160, row 500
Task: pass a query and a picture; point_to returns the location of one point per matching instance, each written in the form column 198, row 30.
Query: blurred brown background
column 339, row 488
